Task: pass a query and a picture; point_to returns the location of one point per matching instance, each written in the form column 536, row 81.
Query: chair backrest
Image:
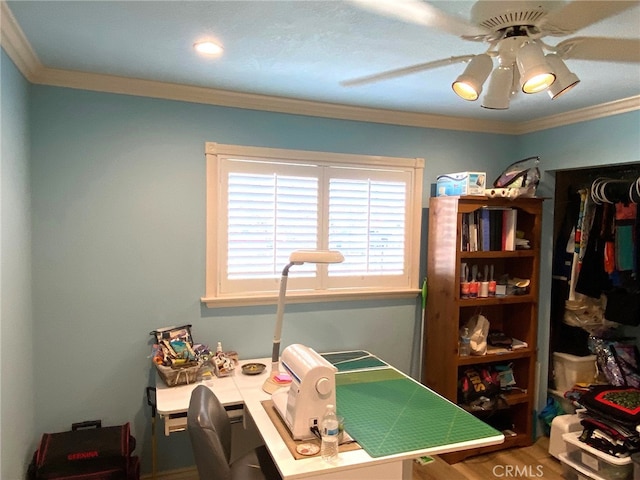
column 209, row 430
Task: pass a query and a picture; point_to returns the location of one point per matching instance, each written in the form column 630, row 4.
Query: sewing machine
column 302, row 404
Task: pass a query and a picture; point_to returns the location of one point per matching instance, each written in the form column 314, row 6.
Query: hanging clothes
column 593, row 280
column 610, row 263
column 625, row 226
column 577, row 244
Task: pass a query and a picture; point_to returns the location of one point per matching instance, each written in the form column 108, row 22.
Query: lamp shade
column 298, row 257
column 565, row 79
column 469, row 85
column 315, row 256
column 499, row 92
column 536, row 75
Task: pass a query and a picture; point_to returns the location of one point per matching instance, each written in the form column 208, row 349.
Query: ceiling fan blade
column 579, row 14
column 422, row 13
column 406, row 70
column 601, row 49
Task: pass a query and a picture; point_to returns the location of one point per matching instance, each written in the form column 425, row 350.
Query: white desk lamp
column 296, row 258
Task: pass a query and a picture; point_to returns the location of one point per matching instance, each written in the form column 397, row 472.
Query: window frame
column 213, row 296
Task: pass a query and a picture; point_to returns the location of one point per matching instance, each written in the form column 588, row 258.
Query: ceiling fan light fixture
column 565, row 79
column 499, row 91
column 468, row 86
column 535, row 73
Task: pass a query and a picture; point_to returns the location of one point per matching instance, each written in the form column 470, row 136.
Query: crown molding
column 226, row 98
column 616, row 107
column 17, row 47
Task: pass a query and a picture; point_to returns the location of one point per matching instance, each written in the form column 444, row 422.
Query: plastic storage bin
column 596, row 462
column 571, row 369
column 635, row 458
column 559, row 426
column 573, row 471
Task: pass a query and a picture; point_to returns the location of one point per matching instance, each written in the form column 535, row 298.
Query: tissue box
column 461, row 183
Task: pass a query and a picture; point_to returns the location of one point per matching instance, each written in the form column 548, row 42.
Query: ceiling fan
column 515, row 32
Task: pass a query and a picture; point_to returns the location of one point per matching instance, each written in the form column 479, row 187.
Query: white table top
column 247, row 389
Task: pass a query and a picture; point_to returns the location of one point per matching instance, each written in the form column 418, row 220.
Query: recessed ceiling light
column 208, row 48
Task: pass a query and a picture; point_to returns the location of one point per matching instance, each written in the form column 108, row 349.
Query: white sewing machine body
column 312, row 388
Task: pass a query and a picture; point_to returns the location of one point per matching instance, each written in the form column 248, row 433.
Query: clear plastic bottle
column 465, row 343
column 329, row 431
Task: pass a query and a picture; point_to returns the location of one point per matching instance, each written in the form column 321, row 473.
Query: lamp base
column 270, row 385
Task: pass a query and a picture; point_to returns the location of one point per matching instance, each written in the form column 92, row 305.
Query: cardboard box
column 461, row 183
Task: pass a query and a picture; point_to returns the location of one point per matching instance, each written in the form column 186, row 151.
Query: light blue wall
column 118, row 222
column 119, row 241
column 606, row 141
column 17, row 356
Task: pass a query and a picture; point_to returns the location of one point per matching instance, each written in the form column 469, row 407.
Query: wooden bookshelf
column 515, row 315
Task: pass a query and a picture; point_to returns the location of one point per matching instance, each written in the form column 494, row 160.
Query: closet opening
column 595, row 289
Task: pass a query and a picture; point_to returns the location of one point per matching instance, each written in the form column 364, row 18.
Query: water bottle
column 465, row 343
column 329, row 430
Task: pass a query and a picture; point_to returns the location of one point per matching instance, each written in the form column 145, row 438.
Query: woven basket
column 183, row 375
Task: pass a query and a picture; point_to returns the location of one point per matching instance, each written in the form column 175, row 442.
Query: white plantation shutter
column 262, row 204
column 366, row 223
column 268, row 217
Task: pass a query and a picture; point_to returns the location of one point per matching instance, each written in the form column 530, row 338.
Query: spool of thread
column 464, row 289
column 492, row 288
column 484, row 289
column 473, row 289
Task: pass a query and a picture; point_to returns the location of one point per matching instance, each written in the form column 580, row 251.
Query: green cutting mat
column 353, row 360
column 388, row 413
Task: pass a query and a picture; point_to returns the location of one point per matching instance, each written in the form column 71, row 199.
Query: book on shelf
column 485, row 230
column 489, row 229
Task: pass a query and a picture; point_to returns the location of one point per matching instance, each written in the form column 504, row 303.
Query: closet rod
column 609, row 190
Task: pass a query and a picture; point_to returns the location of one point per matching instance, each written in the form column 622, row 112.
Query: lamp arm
column 275, row 354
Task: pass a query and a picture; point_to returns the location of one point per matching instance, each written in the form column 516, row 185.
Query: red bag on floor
column 87, row 452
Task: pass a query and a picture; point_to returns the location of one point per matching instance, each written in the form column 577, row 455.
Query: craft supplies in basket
column 180, row 375
column 177, row 359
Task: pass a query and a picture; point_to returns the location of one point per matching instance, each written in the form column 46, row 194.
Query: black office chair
column 209, row 430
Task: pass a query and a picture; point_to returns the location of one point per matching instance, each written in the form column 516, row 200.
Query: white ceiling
column 300, row 50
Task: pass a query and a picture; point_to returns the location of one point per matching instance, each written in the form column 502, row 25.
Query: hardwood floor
column 532, row 462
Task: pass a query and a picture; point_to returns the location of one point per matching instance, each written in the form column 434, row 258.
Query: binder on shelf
column 495, row 219
column 465, row 244
column 485, row 230
column 509, row 229
column 473, row 232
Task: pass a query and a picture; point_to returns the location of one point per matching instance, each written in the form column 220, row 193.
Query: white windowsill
column 310, row 297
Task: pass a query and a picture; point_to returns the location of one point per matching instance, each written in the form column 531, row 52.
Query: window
column 264, row 203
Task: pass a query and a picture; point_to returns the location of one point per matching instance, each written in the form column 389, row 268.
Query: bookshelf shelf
column 499, row 254
column 495, row 357
column 509, row 299
column 452, row 259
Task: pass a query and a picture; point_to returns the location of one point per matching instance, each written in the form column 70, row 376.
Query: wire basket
column 182, row 375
